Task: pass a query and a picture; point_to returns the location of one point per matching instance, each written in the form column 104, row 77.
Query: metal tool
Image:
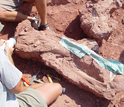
column 55, row 77
column 39, row 81
column 34, row 78
column 49, row 78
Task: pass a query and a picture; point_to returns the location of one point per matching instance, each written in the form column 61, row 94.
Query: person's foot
column 35, row 22
column 45, row 27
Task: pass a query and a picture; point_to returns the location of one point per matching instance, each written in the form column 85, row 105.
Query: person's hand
column 2, row 41
column 8, row 49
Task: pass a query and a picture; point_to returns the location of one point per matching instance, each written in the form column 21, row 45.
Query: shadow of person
column 8, row 30
column 10, row 27
column 121, row 59
column 74, row 30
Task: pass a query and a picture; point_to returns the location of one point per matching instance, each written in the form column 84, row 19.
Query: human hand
column 2, row 41
column 8, row 50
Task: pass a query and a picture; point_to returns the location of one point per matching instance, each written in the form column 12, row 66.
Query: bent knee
column 58, row 87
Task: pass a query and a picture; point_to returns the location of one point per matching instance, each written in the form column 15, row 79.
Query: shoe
column 42, row 27
column 38, row 22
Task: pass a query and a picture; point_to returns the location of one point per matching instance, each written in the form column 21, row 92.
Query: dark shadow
column 82, row 97
column 74, row 30
column 10, row 27
column 121, row 59
column 28, row 66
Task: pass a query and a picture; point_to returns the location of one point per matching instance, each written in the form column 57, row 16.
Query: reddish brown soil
column 74, row 96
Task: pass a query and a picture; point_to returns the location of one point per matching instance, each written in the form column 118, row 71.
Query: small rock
column 66, row 101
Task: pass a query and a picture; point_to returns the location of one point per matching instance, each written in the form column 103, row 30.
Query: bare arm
column 18, row 88
column 13, row 15
column 49, row 91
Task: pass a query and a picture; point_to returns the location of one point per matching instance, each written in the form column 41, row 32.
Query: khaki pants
column 30, row 98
